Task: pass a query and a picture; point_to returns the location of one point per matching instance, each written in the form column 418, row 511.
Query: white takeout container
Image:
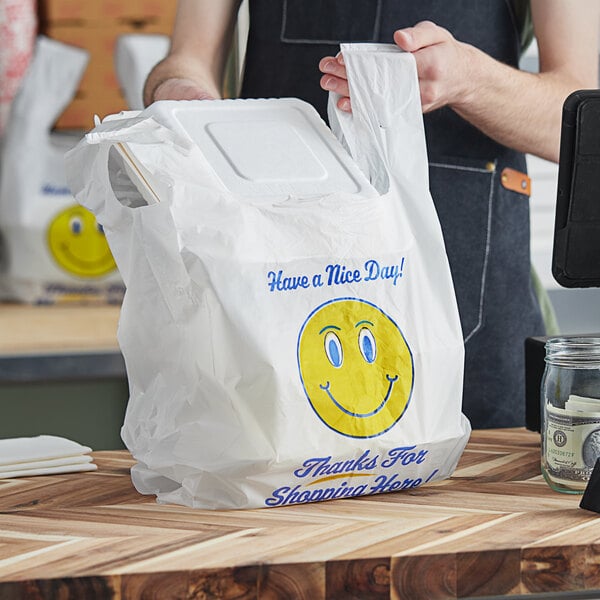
column 263, row 149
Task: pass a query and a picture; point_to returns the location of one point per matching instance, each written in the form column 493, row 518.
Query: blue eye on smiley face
column 333, row 349
column 367, row 345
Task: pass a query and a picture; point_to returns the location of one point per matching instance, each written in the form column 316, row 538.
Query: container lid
column 266, row 148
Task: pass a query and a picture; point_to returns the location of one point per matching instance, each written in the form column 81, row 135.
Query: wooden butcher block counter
column 495, row 528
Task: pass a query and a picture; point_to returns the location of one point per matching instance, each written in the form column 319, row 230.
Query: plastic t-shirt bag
column 286, row 351
column 51, row 248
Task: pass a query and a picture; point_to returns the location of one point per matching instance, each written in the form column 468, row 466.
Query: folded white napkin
column 74, row 468
column 41, row 455
column 53, row 462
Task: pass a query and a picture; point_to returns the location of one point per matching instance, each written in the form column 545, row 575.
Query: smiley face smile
column 356, row 414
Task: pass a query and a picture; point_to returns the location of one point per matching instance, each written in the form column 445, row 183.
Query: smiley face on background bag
column 290, row 328
column 51, row 248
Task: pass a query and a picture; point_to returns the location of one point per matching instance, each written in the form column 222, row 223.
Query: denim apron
column 485, row 225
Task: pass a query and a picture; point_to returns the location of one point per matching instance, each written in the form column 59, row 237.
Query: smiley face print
column 356, row 367
column 78, row 245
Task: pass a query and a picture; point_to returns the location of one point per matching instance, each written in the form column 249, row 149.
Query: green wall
column 89, row 412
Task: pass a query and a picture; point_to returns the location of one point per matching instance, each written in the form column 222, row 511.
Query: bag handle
column 87, row 168
column 87, row 163
column 384, row 133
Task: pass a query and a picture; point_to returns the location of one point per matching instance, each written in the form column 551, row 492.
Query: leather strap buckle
column 515, row 181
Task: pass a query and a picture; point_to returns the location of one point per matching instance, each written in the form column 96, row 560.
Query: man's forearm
column 518, row 109
column 523, row 110
column 200, row 45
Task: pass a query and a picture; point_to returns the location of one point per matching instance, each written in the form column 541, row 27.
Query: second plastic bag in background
column 51, row 248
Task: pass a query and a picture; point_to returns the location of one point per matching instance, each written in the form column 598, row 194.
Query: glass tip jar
column 570, row 409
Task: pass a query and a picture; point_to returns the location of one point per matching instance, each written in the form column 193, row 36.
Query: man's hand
column 178, row 88
column 442, row 66
column 180, row 78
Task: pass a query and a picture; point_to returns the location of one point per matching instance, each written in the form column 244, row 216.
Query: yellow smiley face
column 78, row 244
column 355, row 366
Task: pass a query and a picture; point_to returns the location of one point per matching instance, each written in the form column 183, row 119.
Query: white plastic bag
column 290, row 351
column 51, row 248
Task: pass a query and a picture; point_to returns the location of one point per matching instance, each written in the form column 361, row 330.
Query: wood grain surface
column 494, row 528
column 57, row 328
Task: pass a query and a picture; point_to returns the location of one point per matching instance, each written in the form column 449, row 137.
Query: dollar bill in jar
column 572, row 442
column 570, row 411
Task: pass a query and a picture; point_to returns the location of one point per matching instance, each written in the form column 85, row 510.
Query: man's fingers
column 331, row 83
column 423, row 34
column 333, row 66
column 344, row 104
column 334, row 77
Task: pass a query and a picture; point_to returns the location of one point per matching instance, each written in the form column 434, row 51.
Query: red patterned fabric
column 18, row 25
